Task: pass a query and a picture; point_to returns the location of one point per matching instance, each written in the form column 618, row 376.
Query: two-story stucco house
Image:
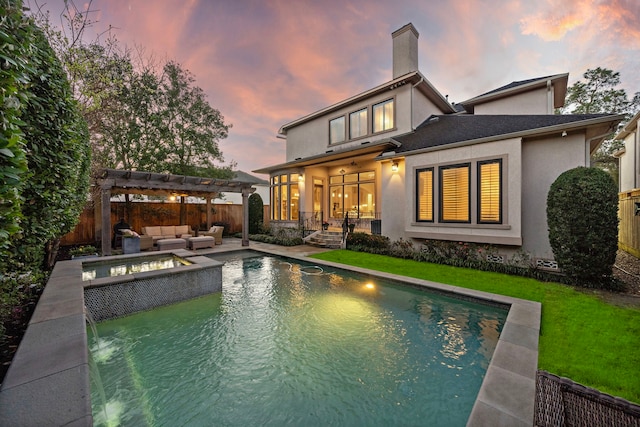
column 402, row 154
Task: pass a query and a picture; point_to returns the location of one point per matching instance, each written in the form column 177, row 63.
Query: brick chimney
column 405, row 50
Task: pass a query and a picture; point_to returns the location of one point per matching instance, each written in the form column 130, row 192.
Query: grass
column 582, row 337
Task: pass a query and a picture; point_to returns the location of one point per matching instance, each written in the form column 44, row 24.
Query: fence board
column 147, row 213
column 629, row 226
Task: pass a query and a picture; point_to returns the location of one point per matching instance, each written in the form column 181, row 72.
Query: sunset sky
column 264, row 63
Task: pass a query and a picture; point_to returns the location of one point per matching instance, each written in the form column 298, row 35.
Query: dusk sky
column 266, row 63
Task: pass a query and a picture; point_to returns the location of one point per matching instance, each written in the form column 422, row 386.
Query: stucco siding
column 533, row 102
column 509, row 232
column 629, row 162
column 540, row 169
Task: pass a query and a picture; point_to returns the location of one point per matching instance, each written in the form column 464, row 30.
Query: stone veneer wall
column 120, row 299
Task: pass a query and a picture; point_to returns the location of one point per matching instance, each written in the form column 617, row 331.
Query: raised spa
column 291, row 343
column 92, row 270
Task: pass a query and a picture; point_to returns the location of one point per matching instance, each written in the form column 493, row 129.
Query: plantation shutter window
column 490, row 192
column 424, row 185
column 454, row 193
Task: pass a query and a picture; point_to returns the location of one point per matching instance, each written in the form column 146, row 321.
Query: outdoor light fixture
column 394, row 166
column 342, row 171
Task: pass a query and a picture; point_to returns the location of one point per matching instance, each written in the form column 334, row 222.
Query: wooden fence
column 147, row 213
column 629, row 227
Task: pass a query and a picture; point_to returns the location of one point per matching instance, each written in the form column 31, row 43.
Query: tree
column 599, row 93
column 256, row 213
column 58, row 153
column 140, row 116
column 15, row 46
column 582, row 207
column 191, row 128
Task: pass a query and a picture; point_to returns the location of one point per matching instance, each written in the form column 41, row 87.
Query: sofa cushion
column 182, row 229
column 214, row 228
column 168, row 230
column 153, row 231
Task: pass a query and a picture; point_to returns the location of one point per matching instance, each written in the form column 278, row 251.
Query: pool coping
column 50, row 370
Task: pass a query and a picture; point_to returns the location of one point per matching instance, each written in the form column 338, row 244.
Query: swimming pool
column 292, row 343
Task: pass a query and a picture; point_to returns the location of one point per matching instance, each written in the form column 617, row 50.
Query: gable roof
column 245, row 177
column 558, row 80
column 416, row 78
column 629, row 127
column 441, row 130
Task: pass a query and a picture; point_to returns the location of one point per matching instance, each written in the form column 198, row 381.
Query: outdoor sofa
column 160, row 232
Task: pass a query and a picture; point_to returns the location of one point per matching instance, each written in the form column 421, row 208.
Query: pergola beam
column 112, row 181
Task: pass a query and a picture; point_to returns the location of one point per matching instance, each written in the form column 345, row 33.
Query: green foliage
column 583, row 225
column 276, row 240
column 15, row 70
column 18, row 293
column 140, row 116
column 599, row 93
column 458, row 254
column 372, row 243
column 83, row 250
column 56, row 140
column 256, row 213
column 190, row 127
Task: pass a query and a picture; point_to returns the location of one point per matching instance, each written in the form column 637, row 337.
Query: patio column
column 105, row 213
column 245, row 215
column 208, row 211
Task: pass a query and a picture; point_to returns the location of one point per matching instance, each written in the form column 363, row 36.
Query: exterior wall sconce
column 394, row 166
column 300, row 178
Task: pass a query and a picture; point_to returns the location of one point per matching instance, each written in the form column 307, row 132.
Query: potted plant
column 325, row 226
column 130, row 242
column 87, row 251
column 351, row 227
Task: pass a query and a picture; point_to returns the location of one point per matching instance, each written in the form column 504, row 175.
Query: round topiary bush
column 582, row 207
column 256, row 212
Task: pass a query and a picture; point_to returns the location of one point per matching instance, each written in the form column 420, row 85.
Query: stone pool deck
column 48, row 381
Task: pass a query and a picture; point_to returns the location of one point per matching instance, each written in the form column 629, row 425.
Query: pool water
column 295, row 344
column 98, row 269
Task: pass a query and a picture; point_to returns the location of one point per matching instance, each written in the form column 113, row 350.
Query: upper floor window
column 337, row 130
column 358, row 123
column 383, row 116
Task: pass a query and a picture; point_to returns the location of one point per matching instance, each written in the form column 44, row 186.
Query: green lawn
column 582, row 337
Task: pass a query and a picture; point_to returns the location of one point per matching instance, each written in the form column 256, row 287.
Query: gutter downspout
column 549, row 98
column 412, row 88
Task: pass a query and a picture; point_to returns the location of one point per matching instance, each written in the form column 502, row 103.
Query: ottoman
column 165, row 244
column 201, row 242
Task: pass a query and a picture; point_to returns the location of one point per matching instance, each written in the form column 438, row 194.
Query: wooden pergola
column 112, row 182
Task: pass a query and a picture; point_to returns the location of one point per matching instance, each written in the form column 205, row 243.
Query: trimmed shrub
column 373, row 243
column 582, row 207
column 256, row 213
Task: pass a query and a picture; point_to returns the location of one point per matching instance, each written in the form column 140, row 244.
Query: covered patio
column 112, row 182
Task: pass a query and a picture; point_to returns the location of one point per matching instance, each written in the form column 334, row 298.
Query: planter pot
column 352, row 227
column 130, row 245
column 325, row 227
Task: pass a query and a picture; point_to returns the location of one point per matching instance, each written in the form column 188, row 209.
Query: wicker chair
column 215, row 232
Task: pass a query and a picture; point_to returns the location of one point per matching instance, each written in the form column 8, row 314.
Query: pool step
column 326, row 239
